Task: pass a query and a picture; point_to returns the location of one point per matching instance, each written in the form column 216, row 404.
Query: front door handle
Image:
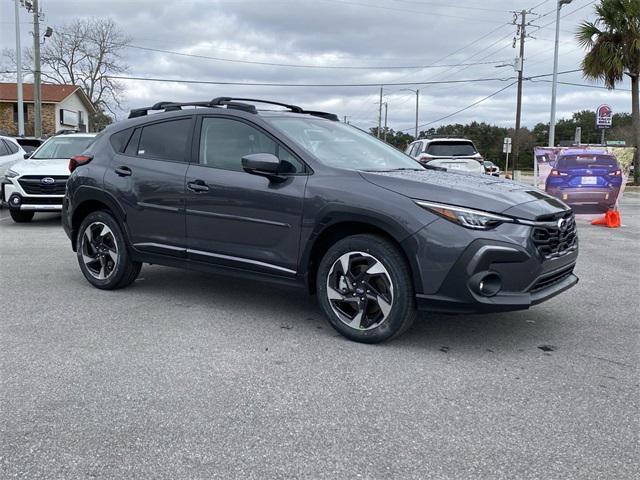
column 123, row 171
column 198, row 186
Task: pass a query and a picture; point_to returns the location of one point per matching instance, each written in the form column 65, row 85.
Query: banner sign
column 590, row 179
column 604, row 116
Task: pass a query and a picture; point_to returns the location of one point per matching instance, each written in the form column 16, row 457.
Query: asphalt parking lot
column 186, row 375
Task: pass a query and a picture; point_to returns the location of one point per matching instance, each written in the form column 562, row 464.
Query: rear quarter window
column 120, row 139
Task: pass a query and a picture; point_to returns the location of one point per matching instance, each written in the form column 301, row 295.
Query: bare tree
column 85, row 52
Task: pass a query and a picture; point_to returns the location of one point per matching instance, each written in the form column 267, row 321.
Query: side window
column 132, row 146
column 12, row 147
column 415, row 149
column 408, row 149
column 223, row 143
column 166, row 140
column 119, row 139
column 4, row 151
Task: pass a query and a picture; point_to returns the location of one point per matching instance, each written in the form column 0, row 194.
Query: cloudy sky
column 475, row 35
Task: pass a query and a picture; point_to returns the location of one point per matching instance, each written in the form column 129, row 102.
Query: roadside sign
column 604, row 116
column 506, row 146
column 616, row 143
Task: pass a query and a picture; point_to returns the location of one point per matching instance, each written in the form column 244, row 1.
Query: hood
column 481, row 192
column 42, row 167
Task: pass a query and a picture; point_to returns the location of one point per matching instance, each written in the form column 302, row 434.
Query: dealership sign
column 604, row 115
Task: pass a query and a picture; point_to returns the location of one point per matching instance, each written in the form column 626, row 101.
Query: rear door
column 235, row 218
column 147, row 176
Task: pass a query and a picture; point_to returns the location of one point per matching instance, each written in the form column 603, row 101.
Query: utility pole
column 384, row 137
column 19, row 74
column 380, row 113
column 554, row 83
column 417, row 107
column 37, row 104
column 520, row 64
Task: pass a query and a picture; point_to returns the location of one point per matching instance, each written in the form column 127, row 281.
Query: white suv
column 38, row 183
column 450, row 153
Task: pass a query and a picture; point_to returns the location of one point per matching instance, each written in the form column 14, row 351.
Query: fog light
column 490, row 285
column 15, row 201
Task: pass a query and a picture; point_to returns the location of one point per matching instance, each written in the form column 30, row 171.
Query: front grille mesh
column 32, row 184
column 554, row 240
column 551, row 279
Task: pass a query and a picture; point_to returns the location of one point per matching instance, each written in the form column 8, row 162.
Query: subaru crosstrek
column 298, row 197
column 586, row 178
column 37, row 183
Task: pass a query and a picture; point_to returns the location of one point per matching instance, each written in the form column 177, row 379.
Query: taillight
column 617, row 173
column 76, row 161
column 557, row 173
column 423, row 159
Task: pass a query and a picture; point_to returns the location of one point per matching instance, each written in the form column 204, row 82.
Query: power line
column 293, row 65
column 585, row 85
column 260, row 84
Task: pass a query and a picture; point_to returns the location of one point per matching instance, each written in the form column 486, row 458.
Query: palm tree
column 613, row 43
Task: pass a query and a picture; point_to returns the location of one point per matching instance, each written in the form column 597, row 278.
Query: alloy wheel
column 360, row 290
column 99, row 250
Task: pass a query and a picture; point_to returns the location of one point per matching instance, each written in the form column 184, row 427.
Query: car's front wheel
column 364, row 288
column 102, row 253
column 20, row 216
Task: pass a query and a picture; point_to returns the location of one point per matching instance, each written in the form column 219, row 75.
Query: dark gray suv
column 296, row 197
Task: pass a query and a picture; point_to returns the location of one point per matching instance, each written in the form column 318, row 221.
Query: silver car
column 450, row 153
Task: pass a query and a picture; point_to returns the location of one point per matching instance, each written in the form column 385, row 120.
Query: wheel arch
column 328, row 233
column 88, row 200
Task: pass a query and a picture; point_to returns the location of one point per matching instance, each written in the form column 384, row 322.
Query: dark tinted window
column 12, row 147
column 119, row 139
column 585, row 161
column 3, row 149
column 451, row 149
column 166, row 140
column 224, row 142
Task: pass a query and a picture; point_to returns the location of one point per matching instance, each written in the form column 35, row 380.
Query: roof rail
column 229, row 102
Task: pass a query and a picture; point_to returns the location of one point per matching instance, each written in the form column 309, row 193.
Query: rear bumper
column 585, row 195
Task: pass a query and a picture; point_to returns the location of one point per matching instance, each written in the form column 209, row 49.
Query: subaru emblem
column 47, row 181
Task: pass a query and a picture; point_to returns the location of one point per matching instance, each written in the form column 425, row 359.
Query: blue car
column 590, row 179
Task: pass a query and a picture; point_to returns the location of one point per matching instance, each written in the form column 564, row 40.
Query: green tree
column 613, row 44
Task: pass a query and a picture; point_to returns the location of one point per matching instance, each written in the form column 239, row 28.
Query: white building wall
column 74, row 104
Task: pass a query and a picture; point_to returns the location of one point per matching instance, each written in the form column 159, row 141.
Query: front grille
column 41, row 201
column 32, row 184
column 554, row 239
column 551, row 279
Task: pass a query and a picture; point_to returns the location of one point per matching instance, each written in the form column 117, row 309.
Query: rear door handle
column 198, row 186
column 123, row 171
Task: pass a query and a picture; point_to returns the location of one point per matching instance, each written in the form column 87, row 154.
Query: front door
column 148, row 177
column 238, row 219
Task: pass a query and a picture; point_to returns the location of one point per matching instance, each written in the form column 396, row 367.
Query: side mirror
column 28, row 155
column 264, row 164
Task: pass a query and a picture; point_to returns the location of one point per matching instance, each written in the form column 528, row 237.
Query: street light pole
column 554, row 83
column 19, row 74
column 417, row 107
column 37, row 104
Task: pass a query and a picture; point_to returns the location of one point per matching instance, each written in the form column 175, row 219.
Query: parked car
column 299, row 198
column 491, row 168
column 586, row 178
column 37, row 184
column 450, row 153
column 10, row 152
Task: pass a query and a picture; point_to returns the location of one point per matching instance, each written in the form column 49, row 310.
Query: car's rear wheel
column 364, row 288
column 20, row 216
column 102, row 253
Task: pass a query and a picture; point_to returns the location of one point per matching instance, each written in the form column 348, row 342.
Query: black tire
column 401, row 310
column 21, row 216
column 114, row 253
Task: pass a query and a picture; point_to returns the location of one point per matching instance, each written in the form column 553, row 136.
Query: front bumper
column 455, row 265
column 14, row 198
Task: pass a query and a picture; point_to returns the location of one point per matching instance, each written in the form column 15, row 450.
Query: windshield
column 343, row 146
column 451, row 149
column 62, row 147
column 586, row 161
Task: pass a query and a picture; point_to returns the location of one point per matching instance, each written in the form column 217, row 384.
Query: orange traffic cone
column 611, row 219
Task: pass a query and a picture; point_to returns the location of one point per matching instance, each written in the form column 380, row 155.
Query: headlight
column 11, row 173
column 466, row 217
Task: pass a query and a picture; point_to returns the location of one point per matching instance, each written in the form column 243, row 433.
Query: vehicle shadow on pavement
column 292, row 309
